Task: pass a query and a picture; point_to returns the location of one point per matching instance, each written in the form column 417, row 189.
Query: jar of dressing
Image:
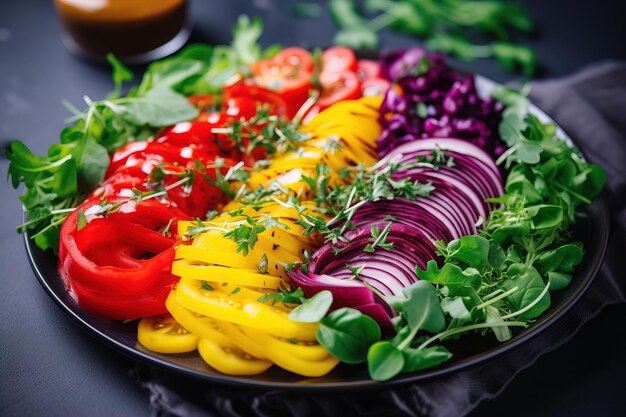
column 134, row 30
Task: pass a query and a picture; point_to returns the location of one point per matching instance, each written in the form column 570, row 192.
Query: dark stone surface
column 49, row 367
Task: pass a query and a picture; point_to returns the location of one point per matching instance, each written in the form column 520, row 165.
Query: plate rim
column 367, row 384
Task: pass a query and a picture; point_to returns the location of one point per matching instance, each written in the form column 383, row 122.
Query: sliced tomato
column 339, row 59
column 292, row 83
column 338, row 87
column 295, row 57
column 375, row 87
column 367, row 69
column 246, row 97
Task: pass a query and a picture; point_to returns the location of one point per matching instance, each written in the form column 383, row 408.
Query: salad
column 299, row 209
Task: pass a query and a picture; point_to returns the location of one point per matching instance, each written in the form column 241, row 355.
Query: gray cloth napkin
column 591, row 107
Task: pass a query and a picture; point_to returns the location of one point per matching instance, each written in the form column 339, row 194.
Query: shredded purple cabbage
column 435, row 101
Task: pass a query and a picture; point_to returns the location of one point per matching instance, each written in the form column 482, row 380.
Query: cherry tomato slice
column 252, row 95
column 291, row 83
column 375, row 87
column 367, row 69
column 339, row 59
column 294, row 57
column 338, row 87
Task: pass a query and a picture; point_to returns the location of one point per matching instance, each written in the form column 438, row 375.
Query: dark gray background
column 49, row 367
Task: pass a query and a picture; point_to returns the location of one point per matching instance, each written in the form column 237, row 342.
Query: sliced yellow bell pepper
column 231, row 360
column 201, row 326
column 248, row 277
column 164, row 335
column 311, row 361
column 242, row 311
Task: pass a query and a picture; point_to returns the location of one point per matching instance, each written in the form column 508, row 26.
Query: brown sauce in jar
column 123, row 27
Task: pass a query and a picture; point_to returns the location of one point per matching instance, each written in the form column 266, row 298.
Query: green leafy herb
column 306, row 10
column 246, row 234
column 121, row 74
column 59, row 181
column 445, row 25
column 364, row 184
column 82, row 220
column 285, row 297
column 379, row 239
column 312, row 310
column 205, row 286
column 348, row 334
column 384, row 361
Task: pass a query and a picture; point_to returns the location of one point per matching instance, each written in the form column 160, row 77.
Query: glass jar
column 134, row 30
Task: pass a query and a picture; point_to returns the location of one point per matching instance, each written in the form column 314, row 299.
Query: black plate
column 593, row 231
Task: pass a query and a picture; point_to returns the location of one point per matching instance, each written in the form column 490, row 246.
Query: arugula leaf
column 419, row 359
column 509, row 56
column 454, row 44
column 58, row 182
column 455, row 307
column 354, row 31
column 312, row 310
column 450, row 275
column 471, row 250
column 348, row 334
column 245, row 36
column 446, row 26
column 121, row 74
column 493, row 316
column 530, row 291
column 384, row 361
column 421, row 309
column 172, row 73
column 158, row 107
column 92, row 161
column 306, row 10
column 562, row 258
column 283, row 297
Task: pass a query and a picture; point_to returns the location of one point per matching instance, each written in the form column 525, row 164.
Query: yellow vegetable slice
column 234, row 260
column 164, row 335
column 231, row 360
column 249, row 277
column 245, row 342
column 242, row 311
column 201, row 326
column 308, row 351
column 294, row 359
column 264, row 245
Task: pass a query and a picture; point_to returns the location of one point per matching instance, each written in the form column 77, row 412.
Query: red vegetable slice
column 367, row 69
column 291, row 83
column 295, row 57
column 118, row 265
column 374, row 87
column 339, row 59
column 338, row 86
